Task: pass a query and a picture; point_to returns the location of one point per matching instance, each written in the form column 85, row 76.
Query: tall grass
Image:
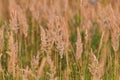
column 59, row 40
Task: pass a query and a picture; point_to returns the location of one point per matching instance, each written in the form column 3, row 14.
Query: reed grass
column 59, row 40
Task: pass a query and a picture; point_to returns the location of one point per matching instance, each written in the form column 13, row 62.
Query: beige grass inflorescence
column 59, row 39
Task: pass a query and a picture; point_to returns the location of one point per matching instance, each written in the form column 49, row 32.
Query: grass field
column 59, row 39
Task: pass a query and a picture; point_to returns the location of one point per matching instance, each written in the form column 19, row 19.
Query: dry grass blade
column 95, row 69
column 13, row 54
column 40, row 69
column 52, row 68
column 79, row 45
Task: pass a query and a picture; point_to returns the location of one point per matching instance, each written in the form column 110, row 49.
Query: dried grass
column 13, row 55
column 56, row 20
column 79, row 45
column 95, row 69
column 18, row 18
